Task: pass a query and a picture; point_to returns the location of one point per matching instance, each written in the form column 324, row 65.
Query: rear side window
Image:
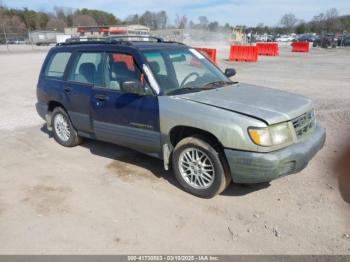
column 57, row 65
column 88, row 68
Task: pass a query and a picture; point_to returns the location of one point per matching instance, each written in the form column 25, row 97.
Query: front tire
column 200, row 168
column 63, row 130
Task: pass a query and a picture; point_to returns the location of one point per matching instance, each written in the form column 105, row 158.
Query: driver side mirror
column 133, row 87
column 229, row 72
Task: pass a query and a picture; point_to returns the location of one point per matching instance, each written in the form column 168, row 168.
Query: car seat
column 166, row 82
column 121, row 73
column 87, row 73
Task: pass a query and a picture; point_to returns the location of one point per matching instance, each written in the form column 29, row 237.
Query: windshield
column 186, row 70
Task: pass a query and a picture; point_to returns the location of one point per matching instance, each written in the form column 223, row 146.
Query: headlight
column 271, row 136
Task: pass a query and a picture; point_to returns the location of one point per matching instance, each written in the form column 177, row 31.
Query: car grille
column 304, row 124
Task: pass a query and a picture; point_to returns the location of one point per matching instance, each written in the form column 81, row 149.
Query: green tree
column 101, row 17
column 41, row 20
column 29, row 18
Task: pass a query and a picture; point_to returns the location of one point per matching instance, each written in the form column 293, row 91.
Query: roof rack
column 118, row 39
column 85, row 40
column 173, row 42
column 142, row 38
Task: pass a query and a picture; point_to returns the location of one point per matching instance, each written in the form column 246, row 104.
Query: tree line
column 329, row 21
column 21, row 21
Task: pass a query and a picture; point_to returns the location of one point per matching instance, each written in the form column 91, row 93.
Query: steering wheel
column 188, row 77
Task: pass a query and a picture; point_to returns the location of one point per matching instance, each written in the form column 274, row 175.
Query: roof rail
column 84, row 40
column 173, row 42
column 142, row 38
column 118, row 39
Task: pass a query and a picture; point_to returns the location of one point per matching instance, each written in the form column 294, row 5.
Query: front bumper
column 252, row 167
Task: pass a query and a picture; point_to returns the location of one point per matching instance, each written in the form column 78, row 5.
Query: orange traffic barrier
column 208, row 52
column 269, row 49
column 301, row 47
column 243, row 53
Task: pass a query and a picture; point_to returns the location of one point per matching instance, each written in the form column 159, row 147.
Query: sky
column 235, row 12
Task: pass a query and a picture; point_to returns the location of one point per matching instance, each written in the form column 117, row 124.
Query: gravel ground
column 99, row 198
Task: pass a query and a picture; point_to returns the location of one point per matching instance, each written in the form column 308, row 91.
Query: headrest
column 87, row 69
column 119, row 67
column 154, row 67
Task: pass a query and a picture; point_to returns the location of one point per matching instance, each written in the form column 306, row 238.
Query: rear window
column 57, row 65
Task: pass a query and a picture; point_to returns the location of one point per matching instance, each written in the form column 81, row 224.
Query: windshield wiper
column 184, row 90
column 207, row 86
column 216, row 84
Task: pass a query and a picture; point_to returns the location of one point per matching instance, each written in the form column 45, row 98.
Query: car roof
column 109, row 44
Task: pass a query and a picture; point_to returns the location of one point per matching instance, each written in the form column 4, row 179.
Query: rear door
column 86, row 72
column 125, row 118
column 52, row 78
column 61, row 83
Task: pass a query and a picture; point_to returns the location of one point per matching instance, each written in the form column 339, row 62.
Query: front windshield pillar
column 151, row 79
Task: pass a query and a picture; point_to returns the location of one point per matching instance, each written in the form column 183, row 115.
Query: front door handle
column 101, row 97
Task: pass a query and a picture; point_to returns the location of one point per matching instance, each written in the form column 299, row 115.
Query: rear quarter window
column 57, row 65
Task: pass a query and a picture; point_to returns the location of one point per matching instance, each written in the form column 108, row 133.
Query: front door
column 120, row 115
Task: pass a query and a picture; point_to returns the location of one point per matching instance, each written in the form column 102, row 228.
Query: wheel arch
column 178, row 133
column 53, row 104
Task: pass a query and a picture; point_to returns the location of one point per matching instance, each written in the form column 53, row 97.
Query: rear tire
column 199, row 167
column 63, row 131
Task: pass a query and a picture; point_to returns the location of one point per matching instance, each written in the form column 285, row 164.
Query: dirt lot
column 99, row 198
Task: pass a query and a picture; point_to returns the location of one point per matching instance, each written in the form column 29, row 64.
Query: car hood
column 267, row 104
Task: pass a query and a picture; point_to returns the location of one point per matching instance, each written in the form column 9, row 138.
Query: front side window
column 57, row 65
column 180, row 70
column 155, row 59
column 88, row 69
column 123, row 74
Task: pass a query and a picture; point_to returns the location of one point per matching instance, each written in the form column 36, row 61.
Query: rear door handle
column 67, row 89
column 101, row 97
